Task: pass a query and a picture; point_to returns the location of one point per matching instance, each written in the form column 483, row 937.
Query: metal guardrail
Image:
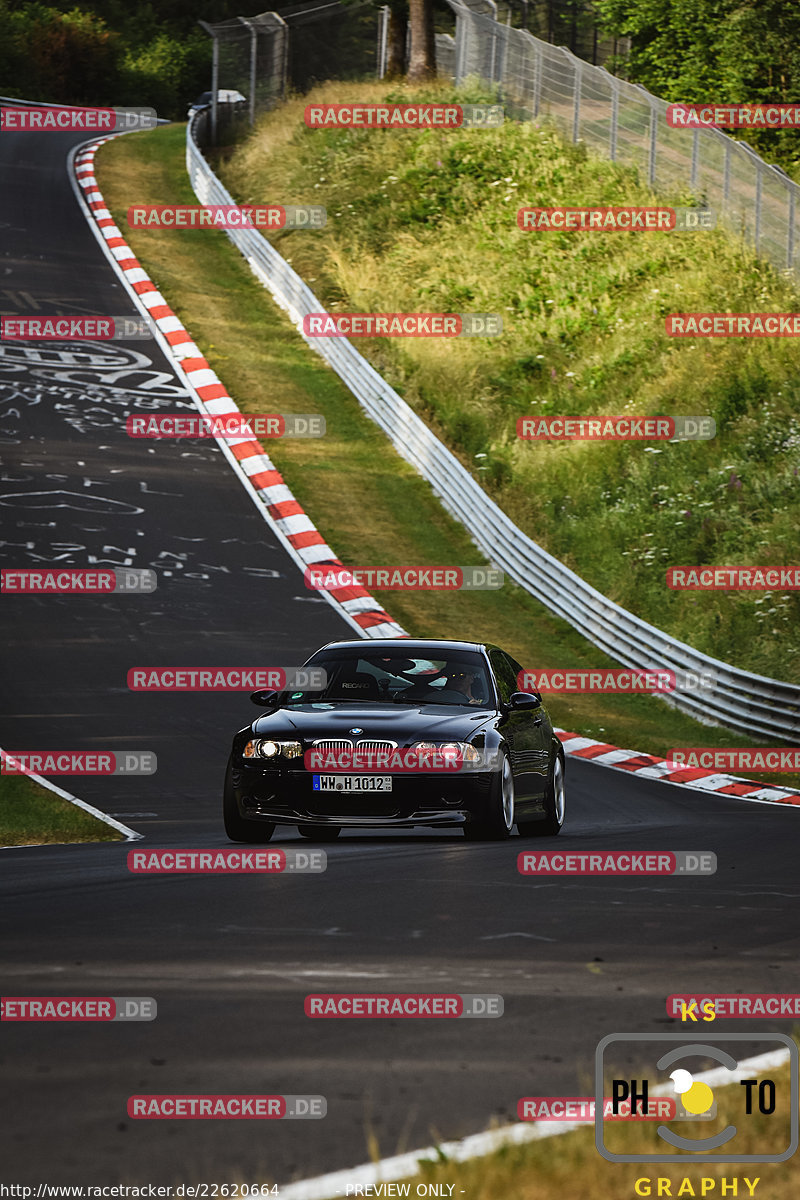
column 738, row 699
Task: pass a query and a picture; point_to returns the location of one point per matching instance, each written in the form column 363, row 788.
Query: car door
column 540, row 731
column 518, row 729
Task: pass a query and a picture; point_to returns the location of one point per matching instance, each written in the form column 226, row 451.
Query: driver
column 462, row 681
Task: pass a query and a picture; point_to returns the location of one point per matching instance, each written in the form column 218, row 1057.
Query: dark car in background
column 399, row 695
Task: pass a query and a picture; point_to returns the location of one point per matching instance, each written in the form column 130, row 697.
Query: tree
column 422, row 64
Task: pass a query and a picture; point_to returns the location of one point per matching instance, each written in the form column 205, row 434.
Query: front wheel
column 320, row 833
column 500, row 820
column 237, row 827
column 555, row 800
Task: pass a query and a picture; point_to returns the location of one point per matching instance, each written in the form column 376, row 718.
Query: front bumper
column 287, row 797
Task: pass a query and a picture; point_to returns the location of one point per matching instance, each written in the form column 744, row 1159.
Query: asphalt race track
column 229, row 959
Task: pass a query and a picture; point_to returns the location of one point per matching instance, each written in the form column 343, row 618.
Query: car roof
column 406, row 644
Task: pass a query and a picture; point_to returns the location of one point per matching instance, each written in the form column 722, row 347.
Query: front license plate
column 352, row 783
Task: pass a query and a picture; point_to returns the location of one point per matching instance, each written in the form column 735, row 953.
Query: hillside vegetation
column 427, row 222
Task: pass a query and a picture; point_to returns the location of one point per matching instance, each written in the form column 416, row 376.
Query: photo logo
column 676, row 1065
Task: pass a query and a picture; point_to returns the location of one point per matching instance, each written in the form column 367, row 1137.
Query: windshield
column 459, row 679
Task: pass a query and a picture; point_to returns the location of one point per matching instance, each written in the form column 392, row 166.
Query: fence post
column 695, row 158
column 285, row 54
column 757, row 230
column 253, row 53
column 214, row 78
column 576, row 107
column 383, row 35
column 612, row 142
column 651, row 169
column 537, row 82
column 726, row 174
column 790, row 233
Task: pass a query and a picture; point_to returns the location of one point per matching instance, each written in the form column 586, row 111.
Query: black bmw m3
column 474, row 752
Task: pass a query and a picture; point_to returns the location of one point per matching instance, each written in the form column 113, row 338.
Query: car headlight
column 466, row 752
column 267, row 748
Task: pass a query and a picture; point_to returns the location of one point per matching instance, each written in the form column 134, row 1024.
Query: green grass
column 368, row 503
column 31, row 815
column 569, row 1167
column 426, row 222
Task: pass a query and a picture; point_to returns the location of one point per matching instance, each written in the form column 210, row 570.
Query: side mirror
column 524, row 700
column 263, row 698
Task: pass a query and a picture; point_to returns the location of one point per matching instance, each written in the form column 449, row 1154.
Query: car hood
column 401, row 723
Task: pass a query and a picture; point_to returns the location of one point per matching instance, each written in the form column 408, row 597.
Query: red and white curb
column 285, row 514
column 647, row 766
column 295, row 528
